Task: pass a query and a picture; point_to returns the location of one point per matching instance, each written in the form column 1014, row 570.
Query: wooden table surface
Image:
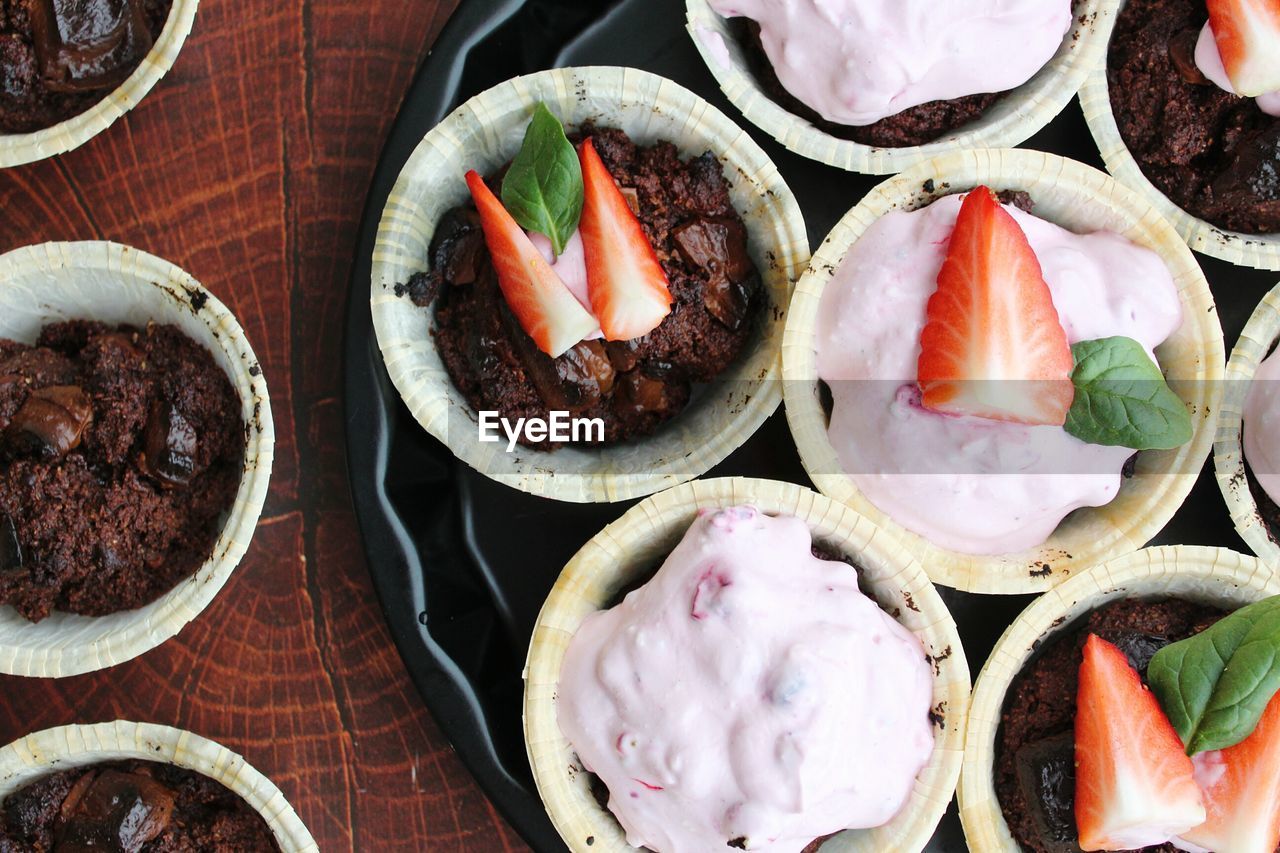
column 247, row 166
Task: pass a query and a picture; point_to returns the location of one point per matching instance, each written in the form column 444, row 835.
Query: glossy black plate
column 462, row 564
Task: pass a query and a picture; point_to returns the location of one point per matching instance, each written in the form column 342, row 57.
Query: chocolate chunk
column 640, row 394
column 116, row 811
column 88, row 45
column 1182, row 53
column 10, row 547
column 1137, row 646
column 718, row 246
column 169, row 447
column 1047, row 775
column 586, row 369
column 458, row 247
column 51, row 421
column 622, row 354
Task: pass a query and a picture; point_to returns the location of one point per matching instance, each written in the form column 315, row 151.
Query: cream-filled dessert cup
column 52, row 750
column 626, row 552
column 1082, row 201
column 1212, row 576
column 1038, row 82
column 486, row 132
column 1239, row 455
column 20, row 148
column 118, row 285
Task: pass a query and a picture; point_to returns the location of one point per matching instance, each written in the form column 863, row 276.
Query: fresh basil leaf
column 543, row 188
column 1122, row 398
column 1214, row 686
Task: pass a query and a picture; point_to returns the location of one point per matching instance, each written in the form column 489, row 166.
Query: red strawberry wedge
column 1134, row 784
column 625, row 282
column 1247, row 33
column 993, row 346
column 545, row 308
column 1242, row 792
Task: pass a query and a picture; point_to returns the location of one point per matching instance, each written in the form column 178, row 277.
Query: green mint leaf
column 1122, row 398
column 1214, row 686
column 543, row 188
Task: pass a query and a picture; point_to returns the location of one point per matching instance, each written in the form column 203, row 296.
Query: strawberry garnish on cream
column 540, row 301
column 993, row 346
column 1247, row 33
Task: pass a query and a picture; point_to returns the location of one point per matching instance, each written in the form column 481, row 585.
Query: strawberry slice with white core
column 544, row 307
column 627, row 286
column 1241, row 786
column 1135, row 785
column 1248, row 36
column 993, row 346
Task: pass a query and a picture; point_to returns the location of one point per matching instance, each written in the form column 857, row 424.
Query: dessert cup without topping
column 634, row 545
column 1261, row 251
column 1080, row 199
column 1011, row 120
column 1214, row 576
column 115, row 284
column 17, row 149
column 53, row 750
column 1259, row 336
column 483, row 134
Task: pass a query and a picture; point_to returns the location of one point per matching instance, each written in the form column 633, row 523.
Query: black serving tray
column 461, row 563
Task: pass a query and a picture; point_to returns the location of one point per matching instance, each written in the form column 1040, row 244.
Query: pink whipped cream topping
column 748, row 691
column 1209, row 61
column 1261, row 419
column 858, row 61
column 964, row 483
column 571, row 266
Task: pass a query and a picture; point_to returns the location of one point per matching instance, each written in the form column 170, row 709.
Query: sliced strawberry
column 1134, row 783
column 1248, row 36
column 625, row 282
column 1242, row 791
column 992, row 344
column 545, row 308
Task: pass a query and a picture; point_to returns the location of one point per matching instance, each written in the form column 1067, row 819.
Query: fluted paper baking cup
column 483, row 134
column 1213, row 576
column 1259, row 336
column 1009, row 121
column 632, row 546
column 1261, row 251
column 53, row 750
column 116, row 284
column 19, row 148
column 1080, row 199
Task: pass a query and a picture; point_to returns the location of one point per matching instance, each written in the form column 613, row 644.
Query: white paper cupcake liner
column 1261, row 251
column 634, row 544
column 483, row 134
column 1208, row 575
column 53, row 750
column 115, row 284
column 1011, row 120
column 1081, row 199
column 1257, row 339
column 17, row 149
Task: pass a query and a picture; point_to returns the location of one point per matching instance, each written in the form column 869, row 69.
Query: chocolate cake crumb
column 121, row 450
column 1214, row 154
column 1035, row 741
column 140, row 806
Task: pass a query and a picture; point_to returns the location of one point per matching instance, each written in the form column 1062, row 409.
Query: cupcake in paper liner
column 878, row 87
column 690, row 680
column 580, row 281
column 136, row 444
column 1245, row 456
column 138, row 784
column 1164, row 111
column 1078, row 662
column 71, row 69
column 974, row 411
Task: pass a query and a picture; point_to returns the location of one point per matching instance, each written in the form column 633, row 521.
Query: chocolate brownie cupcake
column 121, row 451
column 58, row 59
column 140, row 806
column 633, row 386
column 1213, row 153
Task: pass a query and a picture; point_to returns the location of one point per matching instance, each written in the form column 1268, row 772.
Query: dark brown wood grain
column 247, row 166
